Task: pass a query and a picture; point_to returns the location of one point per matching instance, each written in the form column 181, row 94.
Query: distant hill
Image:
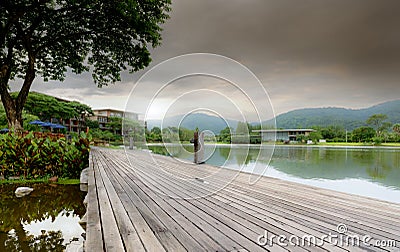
column 348, row 118
column 200, row 120
column 300, row 118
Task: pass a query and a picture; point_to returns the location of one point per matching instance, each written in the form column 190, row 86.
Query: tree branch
column 29, row 77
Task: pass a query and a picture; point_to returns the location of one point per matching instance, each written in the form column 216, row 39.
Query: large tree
column 377, row 121
column 50, row 37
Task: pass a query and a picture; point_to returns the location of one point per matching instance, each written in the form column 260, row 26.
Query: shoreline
column 333, row 145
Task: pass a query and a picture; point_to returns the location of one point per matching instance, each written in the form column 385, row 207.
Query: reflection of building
column 102, row 116
column 283, row 134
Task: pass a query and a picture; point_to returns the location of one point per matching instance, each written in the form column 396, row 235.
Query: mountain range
column 299, row 118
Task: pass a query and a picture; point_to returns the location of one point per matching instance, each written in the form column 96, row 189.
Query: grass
column 391, row 144
column 61, row 181
column 349, row 144
column 66, row 181
column 346, row 144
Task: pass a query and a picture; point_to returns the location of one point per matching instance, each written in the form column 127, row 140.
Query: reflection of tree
column 224, row 152
column 46, row 241
column 242, row 157
column 380, row 169
column 45, row 201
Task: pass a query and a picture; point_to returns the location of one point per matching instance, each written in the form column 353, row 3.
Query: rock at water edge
column 23, row 191
column 84, row 176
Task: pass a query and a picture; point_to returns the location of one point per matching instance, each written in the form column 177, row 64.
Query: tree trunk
column 14, row 117
column 13, row 107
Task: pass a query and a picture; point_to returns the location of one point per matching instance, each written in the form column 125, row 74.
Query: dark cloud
column 307, row 53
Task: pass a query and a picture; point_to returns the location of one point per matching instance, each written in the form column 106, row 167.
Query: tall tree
column 377, row 121
column 396, row 128
column 363, row 134
column 115, row 124
column 48, row 37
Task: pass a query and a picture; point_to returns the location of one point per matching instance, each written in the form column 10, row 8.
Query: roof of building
column 284, row 130
column 113, row 109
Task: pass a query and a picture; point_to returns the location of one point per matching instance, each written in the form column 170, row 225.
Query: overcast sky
column 306, row 53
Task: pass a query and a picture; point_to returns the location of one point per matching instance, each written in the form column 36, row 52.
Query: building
column 77, row 124
column 102, row 116
column 283, row 134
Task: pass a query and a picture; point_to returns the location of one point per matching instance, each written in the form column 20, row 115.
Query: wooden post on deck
column 198, row 141
column 196, row 146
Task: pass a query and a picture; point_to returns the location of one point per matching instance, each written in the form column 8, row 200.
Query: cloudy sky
column 306, row 53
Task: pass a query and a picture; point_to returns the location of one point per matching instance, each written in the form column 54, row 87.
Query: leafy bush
column 31, row 157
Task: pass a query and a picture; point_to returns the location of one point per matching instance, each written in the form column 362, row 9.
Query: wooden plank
column 364, row 215
column 333, row 226
column 236, row 214
column 238, row 223
column 214, row 218
column 126, row 229
column 154, row 234
column 188, row 224
column 111, row 236
column 94, row 235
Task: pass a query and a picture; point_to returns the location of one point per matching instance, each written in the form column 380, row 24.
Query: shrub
column 31, row 157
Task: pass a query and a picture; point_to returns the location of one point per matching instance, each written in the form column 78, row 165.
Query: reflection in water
column 373, row 172
column 46, row 220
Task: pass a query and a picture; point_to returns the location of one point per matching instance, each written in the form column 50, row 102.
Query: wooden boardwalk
column 157, row 203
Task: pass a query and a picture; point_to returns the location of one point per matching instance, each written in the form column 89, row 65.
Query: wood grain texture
column 138, row 201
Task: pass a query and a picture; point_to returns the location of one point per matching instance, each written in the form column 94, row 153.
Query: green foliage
column 347, row 118
column 25, row 116
column 92, row 124
column 315, row 136
column 242, row 128
column 378, row 122
column 115, row 124
column 46, row 107
column 107, row 35
column 29, row 156
column 333, row 132
column 29, row 118
column 185, row 134
column 3, row 117
column 225, row 135
column 244, row 133
column 105, row 135
column 396, row 128
column 301, row 138
column 170, row 134
column 117, row 129
column 363, row 134
column 49, row 38
column 134, row 129
column 154, row 135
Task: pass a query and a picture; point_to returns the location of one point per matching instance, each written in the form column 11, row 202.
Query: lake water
column 371, row 172
column 45, row 220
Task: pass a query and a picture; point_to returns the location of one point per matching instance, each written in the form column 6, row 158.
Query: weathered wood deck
column 139, row 207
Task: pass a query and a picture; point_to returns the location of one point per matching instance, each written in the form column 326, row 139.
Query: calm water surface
column 45, row 220
column 371, row 172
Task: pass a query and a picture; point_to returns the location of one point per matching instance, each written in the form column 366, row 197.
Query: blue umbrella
column 36, row 122
column 2, row 131
column 46, row 124
column 57, row 126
